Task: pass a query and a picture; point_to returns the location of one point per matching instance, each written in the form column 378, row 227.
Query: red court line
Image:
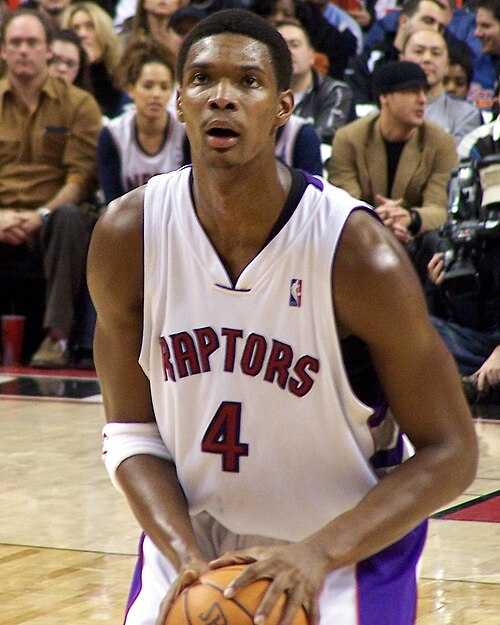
column 81, row 374
column 485, row 509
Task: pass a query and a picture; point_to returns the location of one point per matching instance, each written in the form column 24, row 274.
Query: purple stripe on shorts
column 136, row 585
column 387, row 582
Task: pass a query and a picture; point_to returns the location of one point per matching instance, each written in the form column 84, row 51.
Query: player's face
column 428, row 49
column 230, row 103
column 301, row 51
column 406, row 108
column 152, row 90
column 455, row 82
column 25, row 49
column 488, row 31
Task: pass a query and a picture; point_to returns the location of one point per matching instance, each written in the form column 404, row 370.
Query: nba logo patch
column 295, row 293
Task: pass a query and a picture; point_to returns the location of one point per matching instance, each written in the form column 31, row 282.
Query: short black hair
column 458, row 57
column 410, row 7
column 23, row 11
column 493, row 6
column 246, row 23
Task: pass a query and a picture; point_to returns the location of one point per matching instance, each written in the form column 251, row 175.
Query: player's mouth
column 222, row 137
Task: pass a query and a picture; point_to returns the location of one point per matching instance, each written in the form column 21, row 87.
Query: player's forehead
column 229, row 51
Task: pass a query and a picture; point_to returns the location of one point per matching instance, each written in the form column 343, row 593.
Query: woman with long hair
column 95, row 30
column 150, row 21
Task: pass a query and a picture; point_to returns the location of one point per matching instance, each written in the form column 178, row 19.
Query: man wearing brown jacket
column 394, row 159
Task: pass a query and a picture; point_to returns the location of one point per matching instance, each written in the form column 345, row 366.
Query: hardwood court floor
column 67, row 538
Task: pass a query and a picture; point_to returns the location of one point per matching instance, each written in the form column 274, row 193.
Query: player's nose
column 224, row 95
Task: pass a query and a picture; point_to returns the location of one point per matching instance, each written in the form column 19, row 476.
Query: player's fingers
column 185, row 579
column 313, row 613
column 229, row 559
column 245, row 578
column 166, row 604
column 293, row 605
column 269, row 600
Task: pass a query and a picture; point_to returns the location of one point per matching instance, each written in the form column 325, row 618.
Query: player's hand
column 298, row 570
column 187, row 576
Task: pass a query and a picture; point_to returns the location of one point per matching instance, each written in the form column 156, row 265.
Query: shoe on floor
column 50, row 355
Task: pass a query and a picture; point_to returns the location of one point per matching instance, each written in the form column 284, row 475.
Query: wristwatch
column 43, row 211
column 415, row 221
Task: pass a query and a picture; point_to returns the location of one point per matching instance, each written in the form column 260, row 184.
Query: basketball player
column 224, row 293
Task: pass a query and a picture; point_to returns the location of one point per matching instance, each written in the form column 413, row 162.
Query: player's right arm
column 115, row 277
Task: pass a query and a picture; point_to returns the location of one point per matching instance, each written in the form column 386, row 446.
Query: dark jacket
column 328, row 104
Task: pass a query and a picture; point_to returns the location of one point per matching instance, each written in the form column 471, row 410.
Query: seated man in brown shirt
column 48, row 144
column 396, row 160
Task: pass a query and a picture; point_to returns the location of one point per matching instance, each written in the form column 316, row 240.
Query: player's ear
column 178, row 106
column 285, row 107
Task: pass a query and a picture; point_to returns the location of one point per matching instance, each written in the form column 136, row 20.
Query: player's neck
column 239, row 211
column 244, row 195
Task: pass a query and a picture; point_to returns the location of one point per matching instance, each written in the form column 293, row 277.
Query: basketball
column 204, row 603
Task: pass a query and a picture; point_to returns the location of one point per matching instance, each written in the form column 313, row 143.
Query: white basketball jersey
column 248, row 382
column 137, row 167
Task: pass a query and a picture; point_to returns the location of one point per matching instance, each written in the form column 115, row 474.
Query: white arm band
column 123, row 440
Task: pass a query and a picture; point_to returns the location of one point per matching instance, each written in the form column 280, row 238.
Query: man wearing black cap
column 394, row 159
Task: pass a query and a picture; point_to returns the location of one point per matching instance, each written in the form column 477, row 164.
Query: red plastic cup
column 12, row 339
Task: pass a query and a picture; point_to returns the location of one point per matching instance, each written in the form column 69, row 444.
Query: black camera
column 474, row 220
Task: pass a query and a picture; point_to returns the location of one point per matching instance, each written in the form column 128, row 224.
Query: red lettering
column 168, row 370
column 252, row 360
column 303, row 385
column 208, row 343
column 280, row 361
column 185, row 355
column 231, row 336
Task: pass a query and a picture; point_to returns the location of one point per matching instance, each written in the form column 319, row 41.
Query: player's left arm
column 378, row 297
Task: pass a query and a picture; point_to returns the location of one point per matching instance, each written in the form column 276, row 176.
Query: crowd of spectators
column 115, row 125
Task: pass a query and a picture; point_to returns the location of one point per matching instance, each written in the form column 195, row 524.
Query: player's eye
column 198, row 78
column 251, row 81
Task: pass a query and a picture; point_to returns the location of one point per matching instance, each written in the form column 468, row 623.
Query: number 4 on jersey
column 223, row 436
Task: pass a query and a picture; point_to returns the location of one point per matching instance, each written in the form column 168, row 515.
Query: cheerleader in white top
column 146, row 139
